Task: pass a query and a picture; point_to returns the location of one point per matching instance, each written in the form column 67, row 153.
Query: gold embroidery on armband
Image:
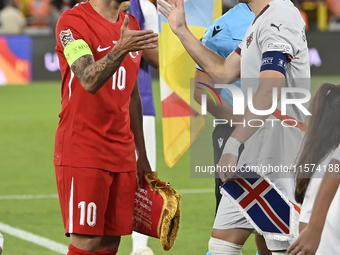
column 75, row 50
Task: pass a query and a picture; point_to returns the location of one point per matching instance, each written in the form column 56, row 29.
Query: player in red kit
column 100, row 124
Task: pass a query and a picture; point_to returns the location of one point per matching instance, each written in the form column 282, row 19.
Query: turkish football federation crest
column 250, row 39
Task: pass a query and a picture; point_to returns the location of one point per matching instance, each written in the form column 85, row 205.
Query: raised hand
column 174, row 12
column 135, row 40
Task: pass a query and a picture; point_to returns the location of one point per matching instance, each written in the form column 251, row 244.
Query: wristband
column 231, row 146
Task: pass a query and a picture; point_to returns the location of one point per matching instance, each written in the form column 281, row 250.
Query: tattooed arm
column 93, row 75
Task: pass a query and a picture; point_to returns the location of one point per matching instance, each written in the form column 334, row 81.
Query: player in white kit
column 273, row 55
column 322, row 235
column 321, row 139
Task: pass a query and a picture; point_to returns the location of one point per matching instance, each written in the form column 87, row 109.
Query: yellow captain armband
column 75, row 50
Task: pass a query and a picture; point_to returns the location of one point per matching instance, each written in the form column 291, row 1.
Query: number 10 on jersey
column 119, row 80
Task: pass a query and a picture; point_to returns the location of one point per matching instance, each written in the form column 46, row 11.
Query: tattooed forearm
column 88, row 76
column 80, row 64
column 100, row 65
column 93, row 75
column 107, row 66
column 115, row 56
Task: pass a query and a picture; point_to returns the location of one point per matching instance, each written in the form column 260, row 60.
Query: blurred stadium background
column 28, row 194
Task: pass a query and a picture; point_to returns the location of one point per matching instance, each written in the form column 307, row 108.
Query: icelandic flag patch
column 268, row 210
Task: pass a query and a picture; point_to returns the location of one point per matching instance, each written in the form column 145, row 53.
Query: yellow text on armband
column 75, row 50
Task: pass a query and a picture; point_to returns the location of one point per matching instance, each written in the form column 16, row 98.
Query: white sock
column 221, row 247
column 278, row 253
column 138, row 241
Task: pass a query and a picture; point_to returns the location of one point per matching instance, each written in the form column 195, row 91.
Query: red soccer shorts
column 96, row 202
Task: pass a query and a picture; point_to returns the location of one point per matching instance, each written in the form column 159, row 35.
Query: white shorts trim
column 70, row 224
column 150, row 139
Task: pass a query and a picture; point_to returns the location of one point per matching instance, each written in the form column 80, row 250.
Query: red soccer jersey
column 94, row 130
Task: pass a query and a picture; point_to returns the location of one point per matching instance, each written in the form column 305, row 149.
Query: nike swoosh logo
column 103, row 49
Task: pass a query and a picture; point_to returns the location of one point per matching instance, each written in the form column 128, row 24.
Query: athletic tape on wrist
column 75, row 50
column 231, row 146
column 221, row 247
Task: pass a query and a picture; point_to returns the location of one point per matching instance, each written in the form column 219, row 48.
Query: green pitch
column 28, row 119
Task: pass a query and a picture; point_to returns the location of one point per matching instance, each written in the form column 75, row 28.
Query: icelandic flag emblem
column 265, row 207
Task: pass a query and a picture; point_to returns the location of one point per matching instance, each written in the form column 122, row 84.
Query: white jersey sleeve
column 283, row 34
column 150, row 15
column 312, row 191
column 336, row 154
column 308, row 201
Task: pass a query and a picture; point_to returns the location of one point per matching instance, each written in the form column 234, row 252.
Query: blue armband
column 274, row 60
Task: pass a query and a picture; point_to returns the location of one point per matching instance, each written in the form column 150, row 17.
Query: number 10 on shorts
column 90, row 214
